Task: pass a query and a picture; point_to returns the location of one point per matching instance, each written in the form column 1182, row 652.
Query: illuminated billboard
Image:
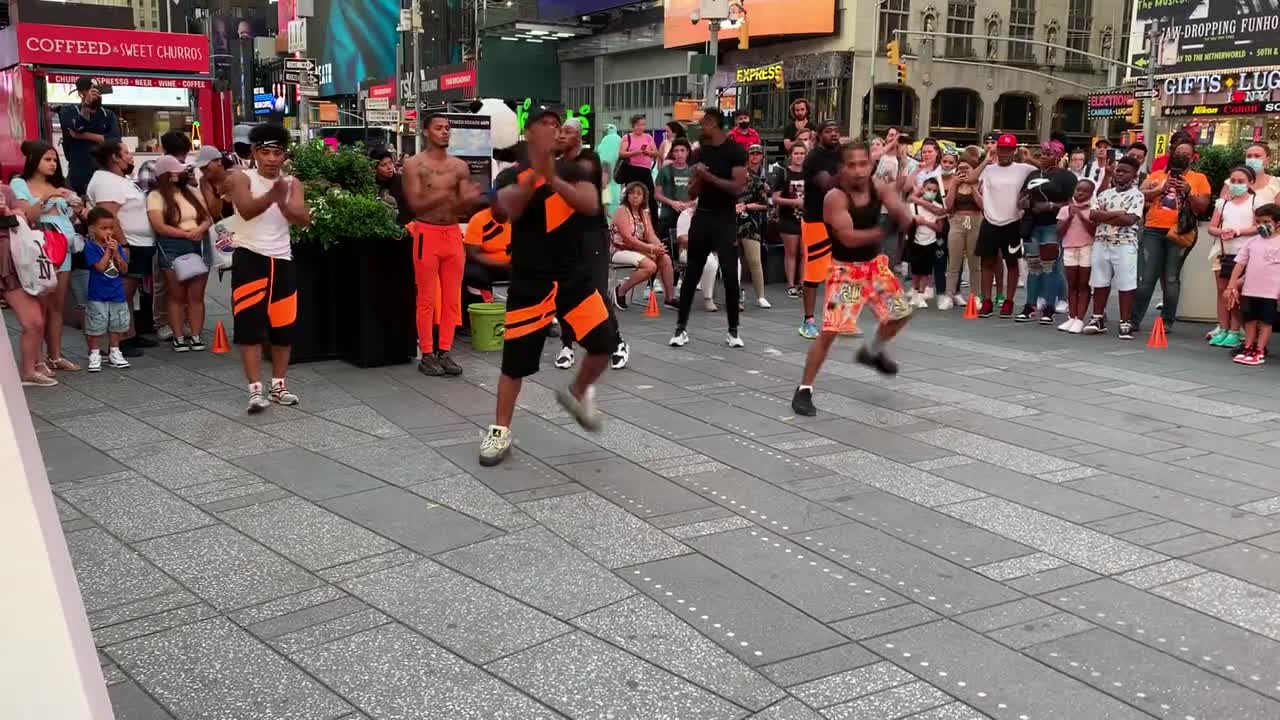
column 766, row 18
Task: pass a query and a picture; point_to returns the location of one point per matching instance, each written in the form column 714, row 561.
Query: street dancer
column 554, row 210
column 821, row 169
column 438, row 190
column 859, row 271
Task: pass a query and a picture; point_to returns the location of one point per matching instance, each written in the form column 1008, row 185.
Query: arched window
column 1017, row 113
column 954, row 115
column 895, row 107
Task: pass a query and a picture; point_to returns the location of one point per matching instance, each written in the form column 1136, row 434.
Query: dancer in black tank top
column 859, row 272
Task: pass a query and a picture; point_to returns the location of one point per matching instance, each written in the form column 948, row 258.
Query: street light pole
column 416, row 28
column 713, row 93
column 870, row 120
column 1149, row 117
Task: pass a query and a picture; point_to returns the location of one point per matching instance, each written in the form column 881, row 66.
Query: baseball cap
column 756, row 148
column 990, row 137
column 240, row 134
column 537, row 112
column 1007, row 141
column 83, row 83
column 166, row 164
column 207, row 154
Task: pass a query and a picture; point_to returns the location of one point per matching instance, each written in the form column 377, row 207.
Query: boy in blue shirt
column 106, row 312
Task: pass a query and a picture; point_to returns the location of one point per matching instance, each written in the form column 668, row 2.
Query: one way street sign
column 1146, row 94
column 300, row 65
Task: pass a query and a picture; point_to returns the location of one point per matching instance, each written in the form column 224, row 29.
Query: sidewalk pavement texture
column 1023, row 524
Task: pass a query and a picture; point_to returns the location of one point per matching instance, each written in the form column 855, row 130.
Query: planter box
column 376, row 303
column 315, row 334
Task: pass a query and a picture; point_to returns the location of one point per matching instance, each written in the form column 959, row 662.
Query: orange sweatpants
column 438, row 262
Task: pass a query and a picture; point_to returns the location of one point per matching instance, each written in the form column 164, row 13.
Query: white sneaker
column 95, row 361
column 734, row 341
column 680, row 339
column 565, row 359
column 164, row 333
column 929, row 293
column 257, row 399
column 496, row 445
column 763, row 303
column 116, row 359
column 920, row 301
column 1077, row 327
column 944, row 303
column 583, row 410
column 1066, row 326
column 620, row 357
column 1061, row 307
column 960, row 300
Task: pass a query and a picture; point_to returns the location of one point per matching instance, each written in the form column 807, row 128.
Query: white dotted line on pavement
column 716, row 628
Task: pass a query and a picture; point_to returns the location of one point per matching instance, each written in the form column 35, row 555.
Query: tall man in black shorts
column 821, row 168
column 719, row 176
column 1001, row 185
column 554, row 210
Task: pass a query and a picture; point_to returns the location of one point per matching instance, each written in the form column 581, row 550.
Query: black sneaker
column 793, row 293
column 619, row 299
column 448, row 364
column 128, row 348
column 179, row 344
column 1046, row 317
column 144, row 342
column 196, row 344
column 1097, row 325
column 880, row 361
column 802, row 402
column 1126, row 331
column 430, row 365
column 1027, row 315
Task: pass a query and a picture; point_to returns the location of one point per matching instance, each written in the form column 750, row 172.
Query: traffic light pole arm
column 1015, row 68
column 1041, row 43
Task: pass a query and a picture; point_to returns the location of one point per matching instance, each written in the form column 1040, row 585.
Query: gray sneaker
column 496, row 446
column 447, row 364
column 584, row 410
column 430, row 365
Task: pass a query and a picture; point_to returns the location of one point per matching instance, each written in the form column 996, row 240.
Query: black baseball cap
column 990, row 137
column 83, row 83
column 538, row 112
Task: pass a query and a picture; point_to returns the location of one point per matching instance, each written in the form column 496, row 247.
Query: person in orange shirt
column 488, row 247
column 1160, row 259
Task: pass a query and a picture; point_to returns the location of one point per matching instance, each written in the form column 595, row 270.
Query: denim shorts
column 101, row 318
column 170, row 248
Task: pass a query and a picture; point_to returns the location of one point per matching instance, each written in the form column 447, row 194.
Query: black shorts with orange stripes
column 817, row 252
column 533, row 303
column 264, row 298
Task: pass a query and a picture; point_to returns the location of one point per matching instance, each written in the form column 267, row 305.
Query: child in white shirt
column 923, row 253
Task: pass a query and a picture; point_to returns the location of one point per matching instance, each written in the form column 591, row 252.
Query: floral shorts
column 850, row 286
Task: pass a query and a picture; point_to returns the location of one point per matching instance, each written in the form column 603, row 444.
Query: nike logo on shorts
column 1015, row 249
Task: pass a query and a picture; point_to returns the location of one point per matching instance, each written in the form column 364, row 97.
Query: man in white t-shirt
column 1000, row 236
column 113, row 189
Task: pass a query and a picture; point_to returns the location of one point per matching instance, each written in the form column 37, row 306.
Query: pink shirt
column 1261, row 257
column 1078, row 234
column 632, row 143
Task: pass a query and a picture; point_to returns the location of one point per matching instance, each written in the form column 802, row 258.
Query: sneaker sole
column 804, row 412
column 256, row 409
column 572, row 406
column 496, row 459
column 428, row 373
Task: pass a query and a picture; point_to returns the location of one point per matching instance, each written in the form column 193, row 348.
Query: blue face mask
column 1238, row 189
column 1254, row 164
column 929, row 195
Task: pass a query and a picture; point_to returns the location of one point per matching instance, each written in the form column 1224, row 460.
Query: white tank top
column 1235, row 216
column 268, row 233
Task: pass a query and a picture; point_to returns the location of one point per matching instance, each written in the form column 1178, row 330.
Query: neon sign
column 583, row 115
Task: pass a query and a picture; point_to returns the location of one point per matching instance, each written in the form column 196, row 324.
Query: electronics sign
column 765, row 18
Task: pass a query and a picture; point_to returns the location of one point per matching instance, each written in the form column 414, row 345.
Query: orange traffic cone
column 220, row 344
column 1157, row 340
column 971, row 310
column 651, row 311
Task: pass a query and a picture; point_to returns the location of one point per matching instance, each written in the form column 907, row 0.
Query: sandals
column 38, row 380
column 63, row 364
column 43, row 369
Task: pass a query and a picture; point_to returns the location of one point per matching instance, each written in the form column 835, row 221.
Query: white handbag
column 36, row 272
column 188, row 266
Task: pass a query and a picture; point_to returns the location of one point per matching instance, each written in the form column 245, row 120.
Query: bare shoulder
column 835, row 199
column 459, row 166
column 238, row 178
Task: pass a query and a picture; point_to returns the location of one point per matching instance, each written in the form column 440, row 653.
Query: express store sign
column 92, row 47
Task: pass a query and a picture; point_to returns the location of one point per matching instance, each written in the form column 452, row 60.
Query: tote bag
column 36, row 271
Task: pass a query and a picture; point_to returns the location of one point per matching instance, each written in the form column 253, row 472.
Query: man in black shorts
column 1001, row 233
column 554, row 209
column 821, row 169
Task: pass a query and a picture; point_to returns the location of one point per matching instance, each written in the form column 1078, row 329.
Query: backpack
column 37, row 273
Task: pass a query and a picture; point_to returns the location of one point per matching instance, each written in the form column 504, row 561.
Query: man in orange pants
column 438, row 190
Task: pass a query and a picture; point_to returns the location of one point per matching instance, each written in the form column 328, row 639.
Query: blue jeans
column 1044, row 280
column 1158, row 259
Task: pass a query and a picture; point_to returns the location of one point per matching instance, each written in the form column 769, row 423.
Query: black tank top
column 864, row 218
column 965, row 202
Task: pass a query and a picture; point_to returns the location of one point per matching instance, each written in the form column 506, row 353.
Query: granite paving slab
column 175, row 464
column 718, row 416
column 109, row 430
column 310, row 536
column 226, row 568
column 1175, row 478
column 213, row 670
column 757, row 500
column 643, row 492
column 584, row 677
column 540, row 569
column 907, row 482
column 520, row 471
column 898, row 702
column 786, row 570
column 136, row 509
column 393, row 672
column 1192, row 511
column 789, row 709
column 410, row 520
column 468, row 618
column 891, row 444
column 1230, row 599
column 841, row 687
column 740, row 617
column 67, row 458
column 753, row 458
column 110, row 574
column 823, row 663
column 402, row 461
column 307, row 474
column 995, row 452
column 469, row 496
column 607, row 533
column 1063, row 502
column 317, row 434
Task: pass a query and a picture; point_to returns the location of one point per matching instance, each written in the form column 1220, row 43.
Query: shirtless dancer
column 438, row 190
column 859, row 272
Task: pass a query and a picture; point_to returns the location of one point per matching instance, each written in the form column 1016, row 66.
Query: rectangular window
column 1079, row 29
column 960, row 15
column 895, row 15
column 1022, row 26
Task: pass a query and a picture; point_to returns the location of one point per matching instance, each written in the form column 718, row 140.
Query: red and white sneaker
column 1250, row 356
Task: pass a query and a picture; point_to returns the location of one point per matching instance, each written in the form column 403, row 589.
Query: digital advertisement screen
column 358, row 41
column 766, row 18
column 560, row 9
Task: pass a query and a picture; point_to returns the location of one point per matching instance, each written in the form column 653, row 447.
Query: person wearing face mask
column 85, row 127
column 1160, row 259
column 742, row 132
column 1232, row 226
column 923, row 253
column 1257, row 157
column 112, row 188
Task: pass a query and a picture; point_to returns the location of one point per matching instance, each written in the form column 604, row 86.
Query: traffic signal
column 1134, row 114
column 902, row 73
column 892, row 53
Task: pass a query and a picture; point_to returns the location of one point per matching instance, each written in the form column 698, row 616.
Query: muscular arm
column 835, row 212
column 513, row 199
column 242, row 199
column 295, row 206
column 582, row 196
column 412, row 184
column 469, row 197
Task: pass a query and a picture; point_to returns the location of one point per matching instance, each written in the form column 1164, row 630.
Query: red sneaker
column 988, row 309
column 1255, row 357
column 1242, row 357
column 1006, row 310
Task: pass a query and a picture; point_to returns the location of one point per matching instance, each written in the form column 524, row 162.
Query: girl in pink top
column 1076, row 233
column 1255, row 285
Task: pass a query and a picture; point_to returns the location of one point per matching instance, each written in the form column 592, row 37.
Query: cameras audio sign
column 1104, row 106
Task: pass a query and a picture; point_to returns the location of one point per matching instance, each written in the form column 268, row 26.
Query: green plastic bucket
column 488, row 321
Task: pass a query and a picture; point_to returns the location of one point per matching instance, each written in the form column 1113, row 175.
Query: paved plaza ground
column 1023, row 525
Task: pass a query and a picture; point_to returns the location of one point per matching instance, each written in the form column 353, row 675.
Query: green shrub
column 342, row 195
column 1216, row 162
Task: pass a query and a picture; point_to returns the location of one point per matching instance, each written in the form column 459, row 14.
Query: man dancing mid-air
column 860, row 272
